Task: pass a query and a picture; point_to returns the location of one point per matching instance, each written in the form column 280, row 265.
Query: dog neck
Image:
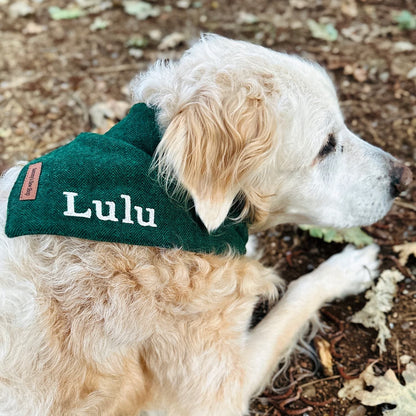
column 102, row 188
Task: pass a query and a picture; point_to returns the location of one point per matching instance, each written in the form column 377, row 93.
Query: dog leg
column 349, row 272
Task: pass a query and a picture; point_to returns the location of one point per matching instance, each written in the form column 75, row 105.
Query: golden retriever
column 97, row 328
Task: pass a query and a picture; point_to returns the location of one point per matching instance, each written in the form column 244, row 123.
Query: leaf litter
column 380, row 302
column 385, row 389
column 43, row 112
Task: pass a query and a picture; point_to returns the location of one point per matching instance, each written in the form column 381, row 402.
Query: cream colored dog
column 92, row 328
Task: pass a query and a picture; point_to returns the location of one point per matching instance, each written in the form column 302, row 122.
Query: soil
column 52, row 73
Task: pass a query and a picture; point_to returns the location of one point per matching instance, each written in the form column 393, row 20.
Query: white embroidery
column 70, row 207
column 127, row 211
column 111, row 211
column 70, row 210
column 151, row 222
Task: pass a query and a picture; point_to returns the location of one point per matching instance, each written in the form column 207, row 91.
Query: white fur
column 109, row 329
column 348, row 188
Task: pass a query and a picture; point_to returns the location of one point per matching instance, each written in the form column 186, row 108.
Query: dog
column 92, row 327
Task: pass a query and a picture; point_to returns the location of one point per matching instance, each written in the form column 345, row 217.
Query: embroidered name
column 111, row 215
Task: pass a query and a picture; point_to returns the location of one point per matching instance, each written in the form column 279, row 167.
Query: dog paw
column 350, row 272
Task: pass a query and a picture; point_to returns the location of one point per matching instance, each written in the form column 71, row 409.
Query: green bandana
column 99, row 187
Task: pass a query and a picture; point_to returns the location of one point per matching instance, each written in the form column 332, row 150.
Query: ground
column 53, row 72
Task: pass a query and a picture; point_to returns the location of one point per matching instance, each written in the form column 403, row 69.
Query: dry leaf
column 172, row 41
column 386, row 389
column 405, row 250
column 99, row 24
column 20, row 9
column 322, row 31
column 56, row 13
column 380, row 301
column 33, row 28
column 356, row 32
column 105, row 114
column 349, row 8
column 298, row 4
column 141, row 9
column 323, row 349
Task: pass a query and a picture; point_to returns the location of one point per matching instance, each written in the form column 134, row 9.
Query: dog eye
column 329, row 147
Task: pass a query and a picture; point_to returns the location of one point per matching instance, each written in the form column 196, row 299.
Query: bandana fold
column 100, row 187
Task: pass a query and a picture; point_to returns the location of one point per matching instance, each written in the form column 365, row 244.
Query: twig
column 344, row 375
column 339, row 322
column 283, row 403
column 320, row 380
column 404, row 204
column 402, row 269
column 333, row 343
column 19, row 82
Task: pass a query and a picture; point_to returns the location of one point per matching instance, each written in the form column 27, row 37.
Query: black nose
column 401, row 177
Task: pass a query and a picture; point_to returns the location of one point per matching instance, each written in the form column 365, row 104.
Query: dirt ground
column 53, row 73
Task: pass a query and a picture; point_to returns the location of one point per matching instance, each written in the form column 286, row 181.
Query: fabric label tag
column 30, row 185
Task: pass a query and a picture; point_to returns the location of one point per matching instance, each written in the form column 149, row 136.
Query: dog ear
column 215, row 150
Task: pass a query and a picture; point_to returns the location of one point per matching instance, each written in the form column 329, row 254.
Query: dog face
column 244, row 122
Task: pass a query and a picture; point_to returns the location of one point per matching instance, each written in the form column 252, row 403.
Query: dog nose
column 401, row 177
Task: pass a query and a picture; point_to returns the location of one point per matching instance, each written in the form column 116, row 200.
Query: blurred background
column 65, row 67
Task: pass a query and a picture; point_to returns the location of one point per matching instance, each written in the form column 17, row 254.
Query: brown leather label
column 30, row 185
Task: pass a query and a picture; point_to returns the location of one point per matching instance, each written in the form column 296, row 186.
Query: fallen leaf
column 349, row 8
column 411, row 74
column 358, row 72
column 155, row 35
column 171, row 41
column 357, row 32
column 380, row 301
column 403, row 46
column 405, row 250
column 406, row 20
column 356, row 410
column 183, row 4
column 325, row 31
column 405, row 359
column 140, row 9
column 105, row 114
column 57, row 13
column 33, row 28
column 247, row 18
column 5, row 132
column 138, row 41
column 386, row 389
column 136, row 53
column 350, row 235
column 20, row 9
column 298, row 4
column 85, row 4
column 95, row 6
column 99, row 24
column 323, row 348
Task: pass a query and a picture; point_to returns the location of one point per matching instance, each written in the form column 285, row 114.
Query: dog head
column 244, row 122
